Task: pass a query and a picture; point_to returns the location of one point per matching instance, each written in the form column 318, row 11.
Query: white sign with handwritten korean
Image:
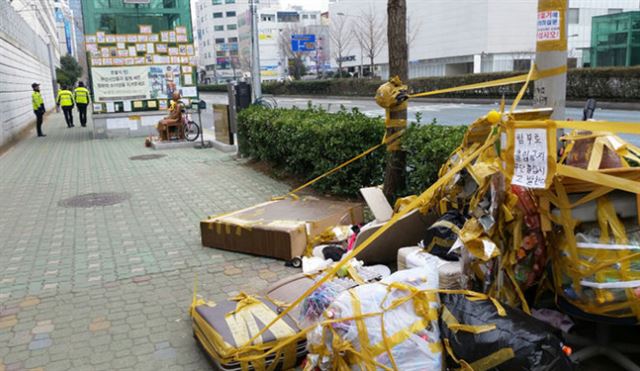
column 530, row 158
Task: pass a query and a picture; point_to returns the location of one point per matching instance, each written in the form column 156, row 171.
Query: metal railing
column 14, row 28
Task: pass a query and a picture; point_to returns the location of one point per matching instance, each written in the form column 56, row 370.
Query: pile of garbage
column 509, row 218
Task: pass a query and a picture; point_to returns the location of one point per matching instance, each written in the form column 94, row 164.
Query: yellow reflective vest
column 81, row 95
column 36, row 100
column 65, row 98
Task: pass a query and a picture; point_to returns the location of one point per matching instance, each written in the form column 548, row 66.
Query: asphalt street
column 443, row 113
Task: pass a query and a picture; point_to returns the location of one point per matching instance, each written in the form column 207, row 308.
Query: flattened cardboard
column 407, row 231
column 277, row 229
column 378, row 203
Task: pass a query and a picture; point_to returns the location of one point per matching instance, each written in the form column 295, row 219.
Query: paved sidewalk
column 107, row 288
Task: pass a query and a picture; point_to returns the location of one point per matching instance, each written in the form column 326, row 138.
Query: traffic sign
column 303, row 43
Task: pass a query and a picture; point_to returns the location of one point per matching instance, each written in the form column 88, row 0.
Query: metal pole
column 202, row 144
column 551, row 52
column 256, row 90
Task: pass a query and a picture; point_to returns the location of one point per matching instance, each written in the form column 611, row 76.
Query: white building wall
column 24, row 59
column 206, row 34
column 491, row 32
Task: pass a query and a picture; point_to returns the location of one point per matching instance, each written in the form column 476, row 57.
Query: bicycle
column 191, row 129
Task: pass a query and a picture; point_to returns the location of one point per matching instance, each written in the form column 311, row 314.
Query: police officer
column 65, row 100
column 81, row 95
column 38, row 107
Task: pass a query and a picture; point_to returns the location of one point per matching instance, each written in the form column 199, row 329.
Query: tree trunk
column 394, row 175
column 371, row 66
column 397, row 39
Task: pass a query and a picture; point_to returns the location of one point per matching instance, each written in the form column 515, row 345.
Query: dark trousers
column 68, row 115
column 39, row 119
column 82, row 111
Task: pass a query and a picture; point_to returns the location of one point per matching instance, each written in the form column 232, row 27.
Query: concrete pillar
column 551, row 52
column 477, row 63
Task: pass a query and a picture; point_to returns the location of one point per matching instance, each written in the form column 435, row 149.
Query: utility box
column 222, row 123
column 239, row 99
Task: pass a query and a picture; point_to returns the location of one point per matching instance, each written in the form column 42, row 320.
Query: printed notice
column 548, row 26
column 530, row 158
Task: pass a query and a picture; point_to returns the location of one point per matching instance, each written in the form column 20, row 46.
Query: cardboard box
column 407, row 231
column 277, row 229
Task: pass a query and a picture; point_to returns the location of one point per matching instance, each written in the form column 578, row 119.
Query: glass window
column 220, row 41
column 574, row 15
column 232, row 40
column 217, row 15
column 288, row 16
column 231, row 14
column 216, row 2
column 614, row 10
column 230, row 2
column 220, row 53
column 313, row 16
column 218, row 28
column 305, row 16
column 232, row 27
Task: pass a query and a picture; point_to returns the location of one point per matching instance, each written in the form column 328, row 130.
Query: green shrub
column 428, row 147
column 219, row 88
column 607, row 84
column 306, row 143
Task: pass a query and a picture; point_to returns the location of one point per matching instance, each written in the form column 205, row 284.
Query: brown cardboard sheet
column 407, row 231
column 278, row 229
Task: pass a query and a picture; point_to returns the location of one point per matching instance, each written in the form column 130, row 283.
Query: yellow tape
column 599, row 178
column 386, row 140
column 611, row 126
column 561, row 43
column 493, row 360
column 498, row 82
column 424, row 198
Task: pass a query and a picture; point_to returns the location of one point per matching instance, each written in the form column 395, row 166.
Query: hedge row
column 608, row 84
column 305, row 143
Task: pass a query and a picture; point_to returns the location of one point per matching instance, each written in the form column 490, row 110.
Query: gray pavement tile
column 109, row 287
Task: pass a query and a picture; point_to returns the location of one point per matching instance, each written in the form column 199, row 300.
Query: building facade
column 29, row 52
column 66, row 27
column 615, row 40
column 224, row 40
column 444, row 41
column 217, row 39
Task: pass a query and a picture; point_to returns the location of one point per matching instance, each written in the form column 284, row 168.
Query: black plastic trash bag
column 439, row 238
column 475, row 333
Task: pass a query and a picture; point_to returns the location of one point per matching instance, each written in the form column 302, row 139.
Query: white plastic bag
column 414, row 340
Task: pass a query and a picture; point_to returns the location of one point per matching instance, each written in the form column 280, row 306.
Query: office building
column 471, row 36
column 615, row 40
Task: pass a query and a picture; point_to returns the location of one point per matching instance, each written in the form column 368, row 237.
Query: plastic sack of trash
column 391, row 324
column 440, row 237
column 483, row 334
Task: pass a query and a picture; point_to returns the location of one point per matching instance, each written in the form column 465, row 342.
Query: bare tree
column 341, row 39
column 394, row 176
column 370, row 32
column 413, row 29
column 294, row 60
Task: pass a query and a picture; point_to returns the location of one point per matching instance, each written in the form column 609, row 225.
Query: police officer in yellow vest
column 38, row 107
column 81, row 95
column 65, row 100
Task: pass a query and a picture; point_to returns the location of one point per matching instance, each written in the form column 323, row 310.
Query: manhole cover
column 146, row 157
column 95, row 199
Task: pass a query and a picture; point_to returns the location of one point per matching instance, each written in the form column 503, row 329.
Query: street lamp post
column 255, row 53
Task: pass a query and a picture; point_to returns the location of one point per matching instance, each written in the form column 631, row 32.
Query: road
column 443, row 113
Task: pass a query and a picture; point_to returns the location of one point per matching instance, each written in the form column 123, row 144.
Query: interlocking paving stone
column 108, row 288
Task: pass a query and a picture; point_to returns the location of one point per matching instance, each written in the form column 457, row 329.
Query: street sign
column 303, row 43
